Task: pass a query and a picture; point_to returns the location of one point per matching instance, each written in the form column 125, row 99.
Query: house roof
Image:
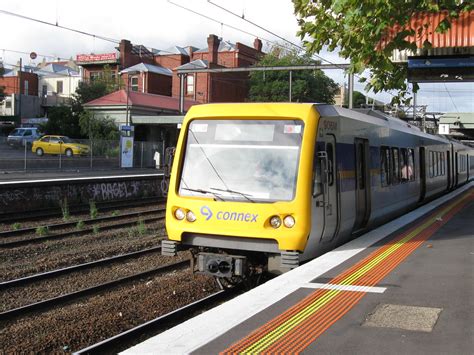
column 143, row 67
column 119, row 98
column 461, row 33
column 55, row 68
column 175, row 50
column 224, row 46
column 195, row 64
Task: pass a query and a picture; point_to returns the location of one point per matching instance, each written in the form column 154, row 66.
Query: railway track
column 56, row 301
column 128, row 338
column 137, row 217
column 66, row 270
column 16, row 216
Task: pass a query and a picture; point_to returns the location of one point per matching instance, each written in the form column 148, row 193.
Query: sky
column 161, row 24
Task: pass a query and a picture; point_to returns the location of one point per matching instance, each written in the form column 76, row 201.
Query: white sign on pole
column 443, row 128
column 127, row 152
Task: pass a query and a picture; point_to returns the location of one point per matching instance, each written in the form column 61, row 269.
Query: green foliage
column 141, row 227
column 16, row 226
column 80, row 225
column 95, row 229
column 358, row 99
column 307, row 85
column 93, row 211
column 61, row 120
column 41, row 231
column 65, row 209
column 98, row 128
column 356, row 27
column 115, row 213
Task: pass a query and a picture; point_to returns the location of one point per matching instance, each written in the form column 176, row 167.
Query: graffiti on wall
column 33, row 197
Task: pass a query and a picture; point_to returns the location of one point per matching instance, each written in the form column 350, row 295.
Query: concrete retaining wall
column 30, row 196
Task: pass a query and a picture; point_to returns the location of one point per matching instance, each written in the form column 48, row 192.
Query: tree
column 356, row 28
column 2, row 71
column 307, row 85
column 61, row 121
column 98, row 128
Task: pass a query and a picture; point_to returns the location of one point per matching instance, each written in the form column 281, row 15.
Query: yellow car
column 59, row 145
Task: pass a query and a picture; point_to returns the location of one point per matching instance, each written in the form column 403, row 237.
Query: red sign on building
column 97, row 58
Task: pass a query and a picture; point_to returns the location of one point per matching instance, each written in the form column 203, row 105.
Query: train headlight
column 179, row 214
column 190, row 216
column 289, row 221
column 275, row 222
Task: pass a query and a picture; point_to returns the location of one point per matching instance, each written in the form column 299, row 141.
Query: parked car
column 21, row 136
column 59, row 145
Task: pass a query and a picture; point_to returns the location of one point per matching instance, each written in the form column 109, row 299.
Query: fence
column 96, row 154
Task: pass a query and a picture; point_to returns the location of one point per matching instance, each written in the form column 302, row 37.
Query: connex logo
column 206, row 212
column 229, row 216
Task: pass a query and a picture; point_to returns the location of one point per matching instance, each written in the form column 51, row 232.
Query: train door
column 362, row 180
column 422, row 173
column 331, row 210
column 448, row 168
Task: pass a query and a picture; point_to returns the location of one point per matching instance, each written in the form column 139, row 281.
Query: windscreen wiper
column 216, row 195
column 246, row 196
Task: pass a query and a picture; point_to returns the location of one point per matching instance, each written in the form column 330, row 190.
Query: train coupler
column 169, row 247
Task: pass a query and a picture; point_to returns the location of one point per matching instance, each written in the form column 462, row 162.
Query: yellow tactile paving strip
column 299, row 326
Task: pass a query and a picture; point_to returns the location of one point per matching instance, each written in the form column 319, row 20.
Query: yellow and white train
column 267, row 186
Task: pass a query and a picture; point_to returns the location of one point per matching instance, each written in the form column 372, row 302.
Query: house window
column 190, row 84
column 134, row 83
column 44, row 90
column 59, row 86
column 94, row 75
column 26, row 87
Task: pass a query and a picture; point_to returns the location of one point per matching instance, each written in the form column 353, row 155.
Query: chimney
column 125, row 49
column 257, row 44
column 190, row 52
column 213, row 45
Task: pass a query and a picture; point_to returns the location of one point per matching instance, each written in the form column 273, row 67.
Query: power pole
column 19, row 90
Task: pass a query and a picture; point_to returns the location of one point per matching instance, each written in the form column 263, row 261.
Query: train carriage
column 267, row 186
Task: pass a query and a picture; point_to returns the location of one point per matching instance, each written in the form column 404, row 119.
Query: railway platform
column 406, row 287
column 30, row 176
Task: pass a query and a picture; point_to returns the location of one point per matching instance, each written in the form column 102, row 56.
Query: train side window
column 395, row 166
column 404, row 164
column 360, row 167
column 411, row 165
column 443, row 166
column 438, row 173
column 432, row 164
column 385, row 166
column 330, row 153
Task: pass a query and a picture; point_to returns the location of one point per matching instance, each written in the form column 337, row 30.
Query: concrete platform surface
column 404, row 288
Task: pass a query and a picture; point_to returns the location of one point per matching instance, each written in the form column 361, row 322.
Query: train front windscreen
column 242, row 160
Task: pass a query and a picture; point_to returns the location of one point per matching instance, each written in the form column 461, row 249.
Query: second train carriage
column 268, row 186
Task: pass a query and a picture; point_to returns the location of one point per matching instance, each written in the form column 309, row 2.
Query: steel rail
column 14, row 233
column 121, row 341
column 23, row 242
column 55, row 301
column 91, row 264
column 10, row 217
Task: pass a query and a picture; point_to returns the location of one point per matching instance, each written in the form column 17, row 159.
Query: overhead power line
column 282, row 38
column 9, row 13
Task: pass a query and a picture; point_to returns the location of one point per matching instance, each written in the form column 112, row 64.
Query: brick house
column 218, row 87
